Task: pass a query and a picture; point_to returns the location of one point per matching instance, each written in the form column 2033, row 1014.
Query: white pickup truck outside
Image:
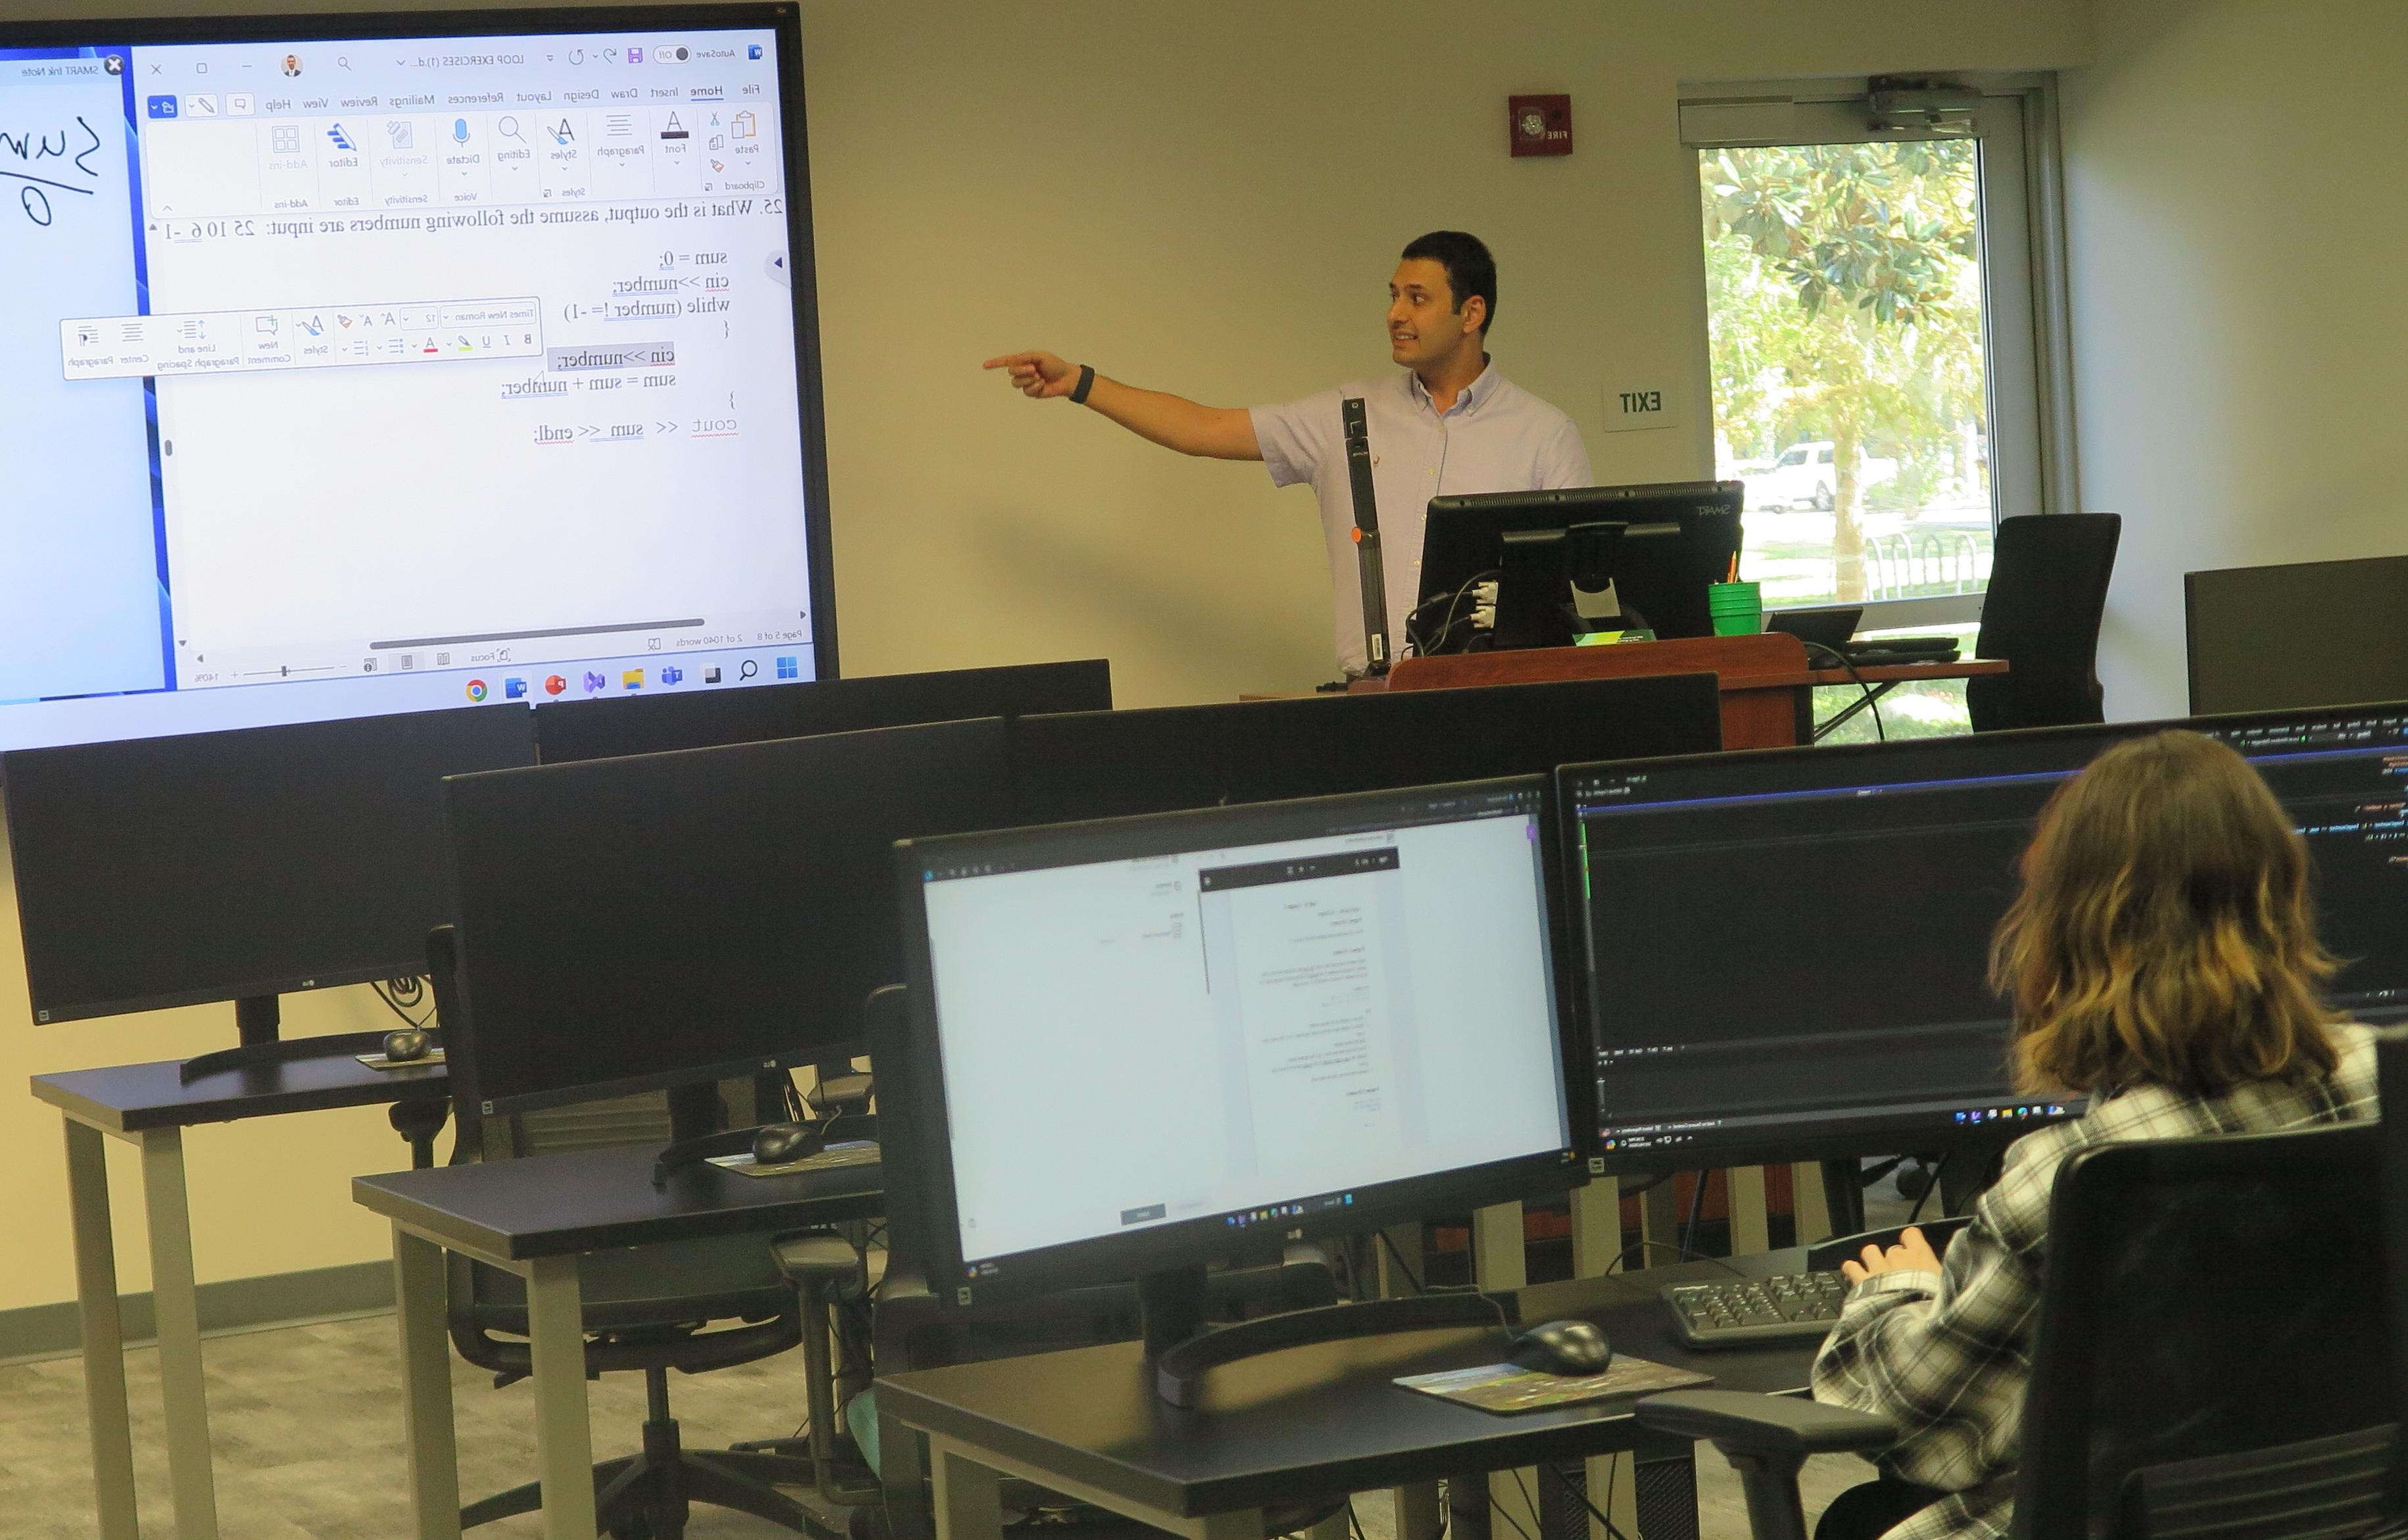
column 1803, row 476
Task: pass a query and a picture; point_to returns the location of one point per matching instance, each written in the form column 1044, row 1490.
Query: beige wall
column 2238, row 308
column 1206, row 199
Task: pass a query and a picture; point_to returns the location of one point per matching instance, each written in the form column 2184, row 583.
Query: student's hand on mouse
column 1037, row 375
column 1912, row 1254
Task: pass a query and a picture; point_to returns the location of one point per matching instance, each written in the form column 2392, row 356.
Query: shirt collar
column 1474, row 396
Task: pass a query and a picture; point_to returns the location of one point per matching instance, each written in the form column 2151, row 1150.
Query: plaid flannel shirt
column 1946, row 1357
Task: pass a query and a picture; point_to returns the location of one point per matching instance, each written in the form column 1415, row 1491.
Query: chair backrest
column 2391, row 1068
column 668, row 1292
column 2047, row 596
column 642, row 1119
column 2212, row 1345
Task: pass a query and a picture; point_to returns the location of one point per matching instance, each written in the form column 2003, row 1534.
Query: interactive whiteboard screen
column 354, row 370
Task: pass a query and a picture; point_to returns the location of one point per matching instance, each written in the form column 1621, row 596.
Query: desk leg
column 1596, row 1226
column 1419, row 1514
column 1597, row 1245
column 427, row 1387
column 1750, row 1231
column 1466, row 1505
column 970, row 1496
column 1614, row 1487
column 1808, row 1203
column 1499, row 1263
column 104, row 1332
column 1659, row 1224
column 564, row 1436
column 1843, row 1196
column 176, row 1301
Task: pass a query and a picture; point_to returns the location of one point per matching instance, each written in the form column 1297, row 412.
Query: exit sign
column 1632, row 405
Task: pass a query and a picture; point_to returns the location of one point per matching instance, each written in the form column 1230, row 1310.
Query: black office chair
column 2211, row 1355
column 2047, row 596
column 646, row 1308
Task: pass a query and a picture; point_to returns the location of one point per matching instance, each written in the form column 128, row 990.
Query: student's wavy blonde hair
column 2165, row 935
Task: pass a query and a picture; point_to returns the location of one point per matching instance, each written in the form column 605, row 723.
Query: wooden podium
column 1768, row 689
column 1768, row 686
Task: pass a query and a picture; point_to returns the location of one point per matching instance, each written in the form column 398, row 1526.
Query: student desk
column 150, row 1106
column 1304, row 1425
column 535, row 1217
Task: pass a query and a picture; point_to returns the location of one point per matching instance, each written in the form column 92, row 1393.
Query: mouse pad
column 1505, row 1389
column 377, row 1061
column 844, row 1152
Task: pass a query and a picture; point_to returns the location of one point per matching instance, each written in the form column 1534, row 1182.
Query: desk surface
column 131, row 1098
column 555, row 1205
column 1899, row 673
column 1311, row 1421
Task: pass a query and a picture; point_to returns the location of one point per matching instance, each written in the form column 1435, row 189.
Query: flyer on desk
column 1505, row 1389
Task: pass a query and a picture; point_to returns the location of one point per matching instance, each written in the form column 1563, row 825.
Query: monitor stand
column 696, row 1135
column 844, row 1093
column 1171, row 1306
column 1541, row 575
column 257, row 1021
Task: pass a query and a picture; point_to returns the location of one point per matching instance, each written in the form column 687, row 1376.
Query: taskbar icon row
column 589, row 681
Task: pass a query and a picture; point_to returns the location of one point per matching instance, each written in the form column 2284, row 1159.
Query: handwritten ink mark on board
column 28, row 149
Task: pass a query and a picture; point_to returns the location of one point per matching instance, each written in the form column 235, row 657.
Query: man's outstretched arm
column 1174, row 422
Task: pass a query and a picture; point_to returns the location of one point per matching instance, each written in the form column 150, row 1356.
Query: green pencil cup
column 1736, row 608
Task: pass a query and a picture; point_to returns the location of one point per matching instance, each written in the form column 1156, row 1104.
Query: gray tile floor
column 306, row 1425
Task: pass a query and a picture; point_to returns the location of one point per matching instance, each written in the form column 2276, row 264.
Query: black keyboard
column 1878, row 649
column 1732, row 1312
column 1787, row 1306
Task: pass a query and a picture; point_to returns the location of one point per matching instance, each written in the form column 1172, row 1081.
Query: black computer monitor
column 1139, row 1044
column 605, row 728
column 665, row 919
column 1554, row 553
column 366, row 364
column 2317, row 633
column 1107, row 764
column 1784, row 953
column 239, row 865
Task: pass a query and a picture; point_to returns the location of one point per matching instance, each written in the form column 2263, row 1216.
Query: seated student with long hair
column 2162, row 960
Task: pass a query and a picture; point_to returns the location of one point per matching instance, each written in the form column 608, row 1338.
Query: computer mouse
column 775, row 1144
column 407, row 1044
column 1562, row 1348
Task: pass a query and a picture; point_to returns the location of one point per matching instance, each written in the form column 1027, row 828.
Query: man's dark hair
column 1469, row 270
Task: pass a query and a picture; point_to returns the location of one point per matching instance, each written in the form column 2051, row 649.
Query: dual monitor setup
column 1319, row 1017
column 1342, row 961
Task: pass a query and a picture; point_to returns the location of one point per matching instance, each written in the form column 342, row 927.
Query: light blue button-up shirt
column 1496, row 438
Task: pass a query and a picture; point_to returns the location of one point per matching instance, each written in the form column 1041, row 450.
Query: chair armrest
column 1738, row 1420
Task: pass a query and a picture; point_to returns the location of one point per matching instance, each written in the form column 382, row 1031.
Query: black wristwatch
column 1087, row 382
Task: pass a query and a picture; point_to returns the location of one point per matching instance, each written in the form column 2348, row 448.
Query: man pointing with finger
column 1450, row 423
